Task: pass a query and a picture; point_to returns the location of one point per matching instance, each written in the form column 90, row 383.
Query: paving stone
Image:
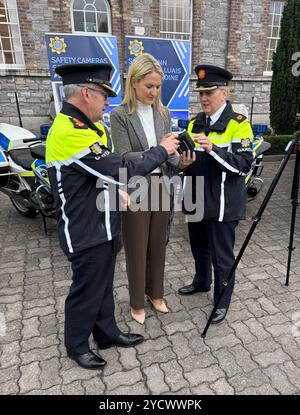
column 243, row 358
column 261, row 390
column 74, row 388
column 136, row 389
column 279, row 380
column 39, row 343
column 216, row 343
column 202, row 360
column 9, row 387
column 209, row 374
column 242, row 332
column 31, row 328
column 30, row 377
column 269, row 358
column 174, row 375
column 50, row 373
column 158, row 356
column 222, row 387
column 93, row 386
column 128, row 358
column 10, row 354
column 227, row 361
column 123, row 378
column 38, row 311
column 155, row 379
column 55, row 390
column 253, row 379
column 257, row 329
column 202, row 389
column 38, row 355
column 152, row 345
column 293, row 373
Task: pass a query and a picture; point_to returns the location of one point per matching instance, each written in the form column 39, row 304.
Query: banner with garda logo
column 175, row 59
column 73, row 49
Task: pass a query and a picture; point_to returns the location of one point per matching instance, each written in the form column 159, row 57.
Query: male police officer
column 78, row 153
column 225, row 137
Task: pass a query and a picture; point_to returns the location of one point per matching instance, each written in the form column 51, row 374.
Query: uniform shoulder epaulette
column 239, row 117
column 78, row 124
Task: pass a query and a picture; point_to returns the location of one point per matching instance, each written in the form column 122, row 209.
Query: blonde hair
column 141, row 66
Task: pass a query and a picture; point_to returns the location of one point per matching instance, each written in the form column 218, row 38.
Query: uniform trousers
column 212, row 243
column 144, row 237
column 89, row 307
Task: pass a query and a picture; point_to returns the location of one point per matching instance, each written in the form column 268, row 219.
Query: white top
column 145, row 113
column 214, row 117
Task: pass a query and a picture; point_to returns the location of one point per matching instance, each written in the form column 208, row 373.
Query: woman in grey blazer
column 138, row 124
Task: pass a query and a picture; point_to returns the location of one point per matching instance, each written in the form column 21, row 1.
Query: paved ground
column 255, row 351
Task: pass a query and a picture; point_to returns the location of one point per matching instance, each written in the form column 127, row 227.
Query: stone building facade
column 230, row 33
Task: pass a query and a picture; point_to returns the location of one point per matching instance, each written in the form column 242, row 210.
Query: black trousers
column 89, row 307
column 212, row 243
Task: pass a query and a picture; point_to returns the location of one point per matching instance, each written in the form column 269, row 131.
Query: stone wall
column 227, row 33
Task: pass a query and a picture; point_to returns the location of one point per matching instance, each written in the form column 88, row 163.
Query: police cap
column 86, row 73
column 210, row 77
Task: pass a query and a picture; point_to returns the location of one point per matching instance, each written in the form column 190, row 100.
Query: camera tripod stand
column 292, row 146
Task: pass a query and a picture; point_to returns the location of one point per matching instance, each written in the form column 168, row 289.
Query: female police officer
column 225, row 137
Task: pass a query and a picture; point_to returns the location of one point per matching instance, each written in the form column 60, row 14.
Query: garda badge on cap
column 96, row 149
column 202, row 74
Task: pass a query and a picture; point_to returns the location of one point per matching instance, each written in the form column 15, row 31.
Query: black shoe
column 219, row 316
column 88, row 360
column 190, row 289
column 123, row 340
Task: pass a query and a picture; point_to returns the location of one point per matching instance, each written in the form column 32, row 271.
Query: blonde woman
column 140, row 122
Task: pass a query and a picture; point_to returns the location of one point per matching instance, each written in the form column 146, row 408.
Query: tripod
column 293, row 145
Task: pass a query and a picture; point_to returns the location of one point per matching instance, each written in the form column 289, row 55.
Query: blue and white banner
column 73, row 49
column 174, row 57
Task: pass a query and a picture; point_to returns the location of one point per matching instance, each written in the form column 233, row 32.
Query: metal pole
column 295, row 203
column 251, row 110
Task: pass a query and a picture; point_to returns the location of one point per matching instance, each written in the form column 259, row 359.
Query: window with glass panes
column 176, row 19
column 11, row 51
column 91, row 16
column 275, row 16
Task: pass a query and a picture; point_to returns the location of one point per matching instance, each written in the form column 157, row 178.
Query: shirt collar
column 214, row 117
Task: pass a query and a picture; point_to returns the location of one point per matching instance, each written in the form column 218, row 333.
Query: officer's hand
column 124, row 199
column 204, row 142
column 186, row 158
column 170, row 143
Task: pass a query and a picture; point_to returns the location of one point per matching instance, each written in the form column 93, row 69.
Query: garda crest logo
column 96, row 149
column 57, row 45
column 135, row 47
column 245, row 142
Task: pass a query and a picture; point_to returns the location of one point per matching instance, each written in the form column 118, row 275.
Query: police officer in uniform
column 78, row 154
column 223, row 157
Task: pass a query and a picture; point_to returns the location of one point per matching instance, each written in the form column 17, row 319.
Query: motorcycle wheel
column 22, row 207
column 252, row 190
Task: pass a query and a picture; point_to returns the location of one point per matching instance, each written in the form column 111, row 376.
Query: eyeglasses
column 104, row 94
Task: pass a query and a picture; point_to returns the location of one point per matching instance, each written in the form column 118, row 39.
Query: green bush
column 278, row 143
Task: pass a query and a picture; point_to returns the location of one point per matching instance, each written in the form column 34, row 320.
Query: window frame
column 270, row 33
column 109, row 23
column 176, row 35
column 7, row 66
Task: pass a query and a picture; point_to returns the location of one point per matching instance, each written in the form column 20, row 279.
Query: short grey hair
column 73, row 90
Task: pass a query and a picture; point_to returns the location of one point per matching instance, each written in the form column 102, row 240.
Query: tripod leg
column 295, row 203
column 256, row 219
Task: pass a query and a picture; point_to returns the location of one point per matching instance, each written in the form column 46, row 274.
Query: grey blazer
column 130, row 140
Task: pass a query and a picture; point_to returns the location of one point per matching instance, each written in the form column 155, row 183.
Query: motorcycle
column 23, row 173
column 254, row 183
